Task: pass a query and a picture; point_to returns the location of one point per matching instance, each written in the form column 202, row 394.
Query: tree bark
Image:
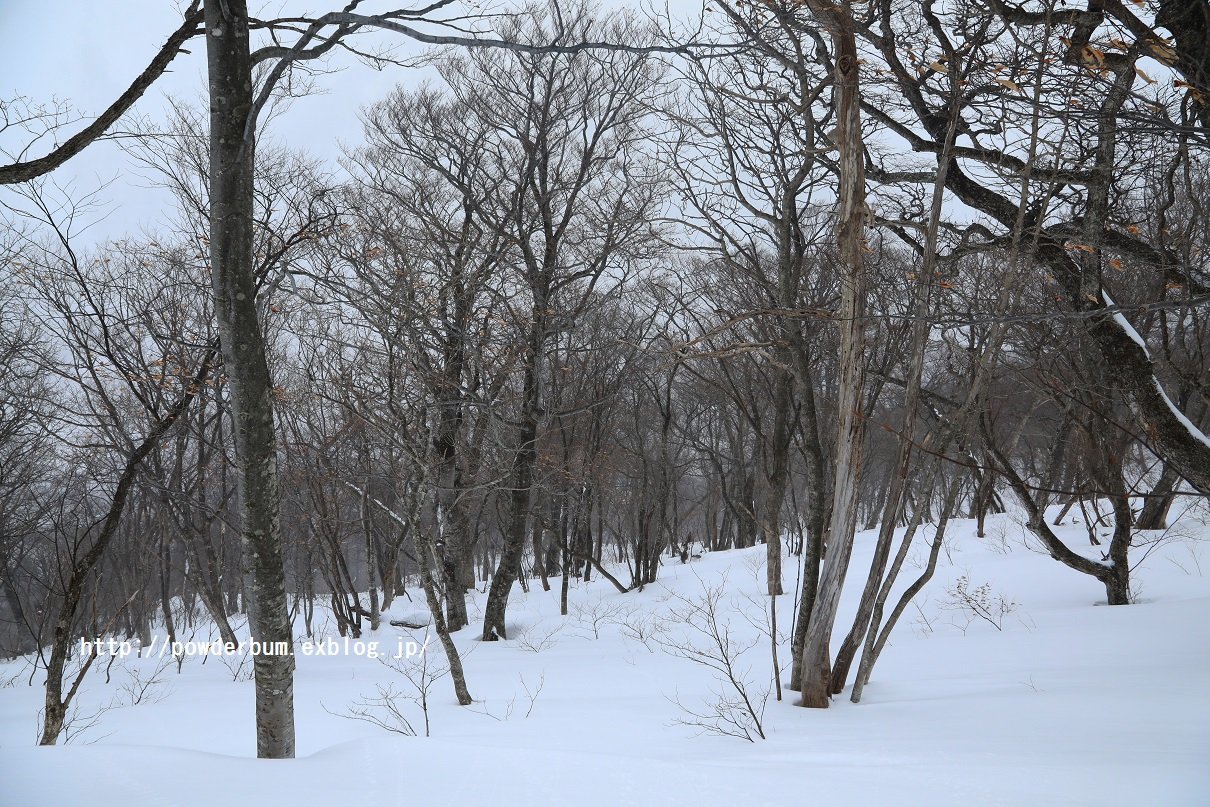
column 892, row 505
column 521, row 483
column 777, row 479
column 424, row 554
column 1155, row 511
column 244, row 359
column 850, row 236
column 818, row 515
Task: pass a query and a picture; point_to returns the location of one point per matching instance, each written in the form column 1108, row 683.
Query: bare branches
column 739, row 709
column 31, row 169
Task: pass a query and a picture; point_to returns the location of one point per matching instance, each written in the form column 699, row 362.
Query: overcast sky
column 86, row 52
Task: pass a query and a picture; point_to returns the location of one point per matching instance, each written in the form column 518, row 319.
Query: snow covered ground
column 1070, row 703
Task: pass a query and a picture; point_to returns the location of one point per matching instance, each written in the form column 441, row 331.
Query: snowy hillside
column 1063, row 702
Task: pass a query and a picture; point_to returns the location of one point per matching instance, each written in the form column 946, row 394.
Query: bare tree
column 124, row 370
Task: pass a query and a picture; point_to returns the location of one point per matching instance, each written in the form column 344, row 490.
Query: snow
column 1069, row 704
column 1125, row 325
column 1194, row 431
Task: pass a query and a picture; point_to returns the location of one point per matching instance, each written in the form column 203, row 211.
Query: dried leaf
column 1012, row 85
column 1093, row 56
column 1163, row 53
column 1143, row 75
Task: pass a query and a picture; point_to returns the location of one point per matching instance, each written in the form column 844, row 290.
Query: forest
column 607, row 301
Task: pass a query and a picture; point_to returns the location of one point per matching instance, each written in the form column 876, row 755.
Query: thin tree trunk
column 817, row 520
column 778, row 478
column 166, row 574
column 876, row 637
column 424, row 552
column 55, row 703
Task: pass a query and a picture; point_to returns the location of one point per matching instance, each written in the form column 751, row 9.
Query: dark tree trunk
column 521, row 485
column 777, row 479
column 166, row 574
column 1155, row 511
column 817, row 520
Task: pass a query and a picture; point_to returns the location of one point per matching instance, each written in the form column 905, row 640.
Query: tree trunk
column 817, row 520
column 920, row 328
column 424, row 552
column 367, row 528
column 876, row 637
column 244, row 360
column 850, row 231
column 166, row 575
column 1155, row 511
column 521, row 485
column 777, row 479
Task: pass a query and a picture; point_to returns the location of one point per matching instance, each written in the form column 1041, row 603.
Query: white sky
column 86, row 52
